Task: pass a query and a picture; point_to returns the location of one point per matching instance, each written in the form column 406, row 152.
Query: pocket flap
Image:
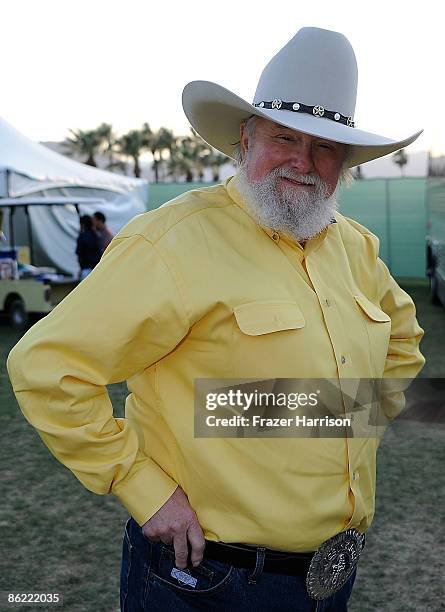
column 374, row 312
column 257, row 318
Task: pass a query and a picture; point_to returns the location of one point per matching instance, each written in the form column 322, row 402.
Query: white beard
column 299, row 214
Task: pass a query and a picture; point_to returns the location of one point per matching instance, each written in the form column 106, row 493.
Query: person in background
column 88, row 248
column 102, row 230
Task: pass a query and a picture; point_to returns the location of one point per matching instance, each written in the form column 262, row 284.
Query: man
column 102, row 230
column 259, row 278
column 88, row 248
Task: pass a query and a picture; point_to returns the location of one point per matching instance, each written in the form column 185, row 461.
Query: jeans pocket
column 208, row 578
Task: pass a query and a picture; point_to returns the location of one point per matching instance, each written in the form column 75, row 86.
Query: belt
column 326, row 570
column 275, row 561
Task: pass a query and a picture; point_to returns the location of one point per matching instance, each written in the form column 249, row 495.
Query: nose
column 301, row 157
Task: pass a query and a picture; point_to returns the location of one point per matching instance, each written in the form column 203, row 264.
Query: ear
column 244, row 139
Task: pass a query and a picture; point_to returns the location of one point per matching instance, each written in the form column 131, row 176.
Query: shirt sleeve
column 404, row 359
column 126, row 315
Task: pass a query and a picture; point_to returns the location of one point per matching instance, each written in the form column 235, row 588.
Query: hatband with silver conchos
column 299, row 107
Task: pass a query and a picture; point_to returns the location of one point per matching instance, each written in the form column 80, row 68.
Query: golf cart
column 26, row 290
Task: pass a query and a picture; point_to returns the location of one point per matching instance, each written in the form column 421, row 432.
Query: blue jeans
column 147, row 584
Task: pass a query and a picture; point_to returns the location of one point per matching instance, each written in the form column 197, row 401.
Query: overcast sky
column 73, row 64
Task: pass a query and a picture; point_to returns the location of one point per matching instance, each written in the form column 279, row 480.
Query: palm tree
column 132, row 145
column 193, row 152
column 178, row 166
column 147, row 134
column 166, row 142
column 108, row 141
column 158, row 142
column 205, row 156
column 187, row 150
column 401, row 159
column 84, row 142
column 187, row 157
column 436, row 165
column 214, row 160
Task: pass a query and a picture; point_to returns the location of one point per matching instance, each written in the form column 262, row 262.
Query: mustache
column 305, row 179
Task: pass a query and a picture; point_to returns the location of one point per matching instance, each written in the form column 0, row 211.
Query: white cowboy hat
column 309, row 86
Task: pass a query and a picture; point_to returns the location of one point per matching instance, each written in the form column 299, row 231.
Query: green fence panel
column 436, row 205
column 394, row 210
column 365, row 202
column 160, row 193
column 407, row 229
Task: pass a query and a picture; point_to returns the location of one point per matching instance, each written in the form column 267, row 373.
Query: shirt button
column 275, row 237
column 328, row 302
column 343, row 359
column 355, row 475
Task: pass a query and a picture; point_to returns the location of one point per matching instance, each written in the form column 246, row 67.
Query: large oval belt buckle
column 333, row 563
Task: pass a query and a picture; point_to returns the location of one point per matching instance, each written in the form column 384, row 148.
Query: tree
column 84, row 142
column 193, row 152
column 178, row 166
column 162, row 140
column 358, row 173
column 436, row 165
column 401, row 159
column 191, row 155
column 183, row 159
column 132, row 145
column 108, row 141
column 166, row 142
column 187, row 156
column 214, row 160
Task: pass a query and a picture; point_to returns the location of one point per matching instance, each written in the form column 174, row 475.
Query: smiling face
column 302, row 157
column 289, row 179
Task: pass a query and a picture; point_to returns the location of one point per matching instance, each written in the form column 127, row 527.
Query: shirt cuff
column 145, row 492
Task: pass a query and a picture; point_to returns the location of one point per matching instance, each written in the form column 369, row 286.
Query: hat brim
column 216, row 113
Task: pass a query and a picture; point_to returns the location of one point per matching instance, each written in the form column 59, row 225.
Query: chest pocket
column 267, row 340
column 371, row 310
column 378, row 327
column 265, row 317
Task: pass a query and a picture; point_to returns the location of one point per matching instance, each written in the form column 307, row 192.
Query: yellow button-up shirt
column 196, row 289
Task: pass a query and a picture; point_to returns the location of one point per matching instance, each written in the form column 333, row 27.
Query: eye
column 327, row 146
column 284, row 137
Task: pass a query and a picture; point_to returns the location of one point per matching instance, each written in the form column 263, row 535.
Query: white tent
column 31, row 169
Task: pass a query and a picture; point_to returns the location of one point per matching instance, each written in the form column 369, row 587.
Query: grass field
column 58, row 537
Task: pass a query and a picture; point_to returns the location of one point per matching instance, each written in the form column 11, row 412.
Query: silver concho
column 333, row 563
column 318, row 111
